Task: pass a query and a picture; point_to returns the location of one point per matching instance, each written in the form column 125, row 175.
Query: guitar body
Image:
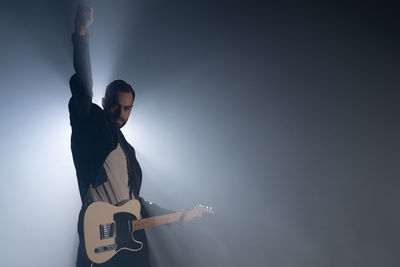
column 107, row 229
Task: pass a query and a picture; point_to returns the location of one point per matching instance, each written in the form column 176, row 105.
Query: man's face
column 119, row 108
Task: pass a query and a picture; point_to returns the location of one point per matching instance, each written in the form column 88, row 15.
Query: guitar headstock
column 204, row 209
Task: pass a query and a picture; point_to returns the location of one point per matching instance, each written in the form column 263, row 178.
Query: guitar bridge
column 107, row 230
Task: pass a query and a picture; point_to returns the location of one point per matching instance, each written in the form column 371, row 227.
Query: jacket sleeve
column 149, row 209
column 81, row 82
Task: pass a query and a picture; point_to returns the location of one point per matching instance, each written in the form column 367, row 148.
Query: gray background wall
column 282, row 115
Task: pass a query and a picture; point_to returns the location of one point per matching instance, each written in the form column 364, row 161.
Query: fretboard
column 157, row 220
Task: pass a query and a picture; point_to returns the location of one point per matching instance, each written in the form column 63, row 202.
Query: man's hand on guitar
column 83, row 19
column 185, row 218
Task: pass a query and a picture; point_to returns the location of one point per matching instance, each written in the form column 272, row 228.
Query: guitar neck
column 157, row 220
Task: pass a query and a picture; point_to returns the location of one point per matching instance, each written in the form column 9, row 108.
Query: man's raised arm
column 81, row 82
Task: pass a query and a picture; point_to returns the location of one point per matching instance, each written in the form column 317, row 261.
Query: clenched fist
column 83, row 19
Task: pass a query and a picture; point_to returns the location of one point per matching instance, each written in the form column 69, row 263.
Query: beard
column 118, row 122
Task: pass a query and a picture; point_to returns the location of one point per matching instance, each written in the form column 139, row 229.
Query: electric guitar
column 108, row 229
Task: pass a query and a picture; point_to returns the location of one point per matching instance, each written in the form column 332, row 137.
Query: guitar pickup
column 105, row 248
column 107, row 230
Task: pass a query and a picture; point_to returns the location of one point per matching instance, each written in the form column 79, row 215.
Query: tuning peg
column 203, row 208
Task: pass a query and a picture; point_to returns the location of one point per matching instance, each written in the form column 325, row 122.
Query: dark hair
column 118, row 86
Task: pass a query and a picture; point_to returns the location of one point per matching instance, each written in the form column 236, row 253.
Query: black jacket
column 94, row 136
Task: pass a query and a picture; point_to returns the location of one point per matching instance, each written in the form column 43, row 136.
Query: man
column 106, row 165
